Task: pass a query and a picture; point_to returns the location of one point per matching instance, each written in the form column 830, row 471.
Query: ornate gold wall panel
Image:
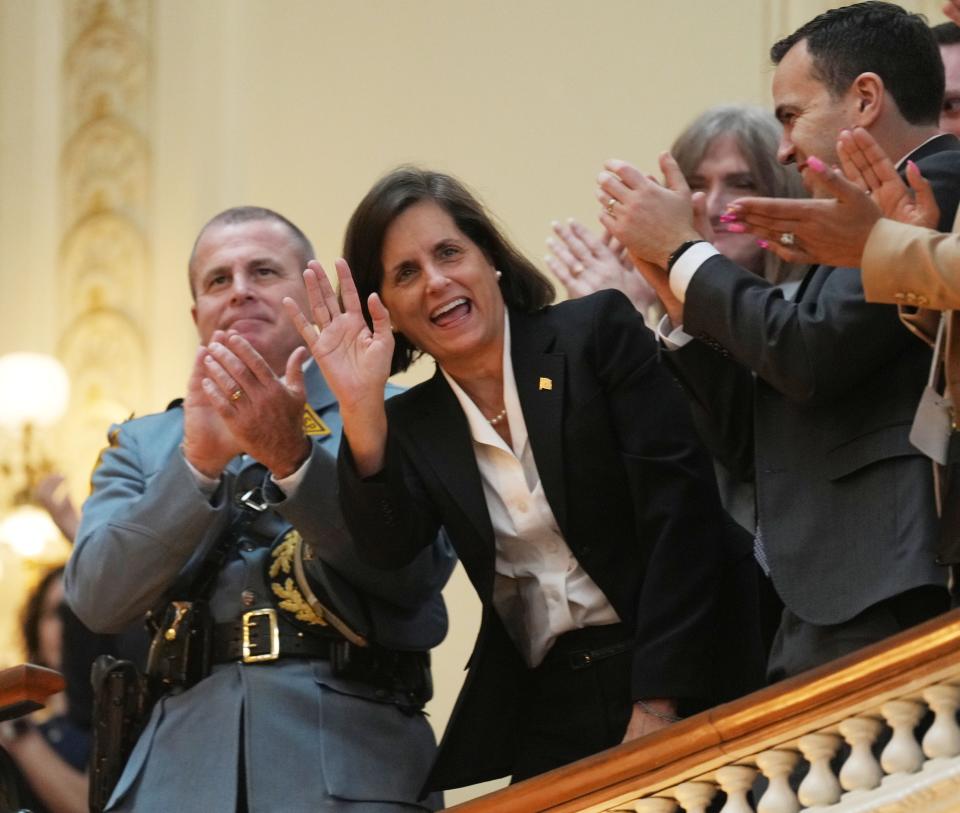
column 105, row 173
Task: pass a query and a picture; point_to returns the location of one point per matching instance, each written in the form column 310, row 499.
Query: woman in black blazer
column 557, row 453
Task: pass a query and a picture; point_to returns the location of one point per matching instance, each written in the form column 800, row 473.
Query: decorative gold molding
column 105, row 174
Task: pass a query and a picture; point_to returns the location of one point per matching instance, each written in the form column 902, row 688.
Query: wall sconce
column 34, row 392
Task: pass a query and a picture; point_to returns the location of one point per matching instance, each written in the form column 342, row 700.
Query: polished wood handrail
column 25, row 688
column 733, row 730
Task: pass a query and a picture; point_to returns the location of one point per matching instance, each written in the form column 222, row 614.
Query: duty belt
column 261, row 636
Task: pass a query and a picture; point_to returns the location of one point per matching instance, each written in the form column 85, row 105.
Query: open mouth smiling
column 451, row 312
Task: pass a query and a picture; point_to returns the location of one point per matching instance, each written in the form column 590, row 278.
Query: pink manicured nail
column 816, row 164
column 763, row 244
column 913, row 165
column 737, row 228
column 728, row 218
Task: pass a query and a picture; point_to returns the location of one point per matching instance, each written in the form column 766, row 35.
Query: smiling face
column 240, row 273
column 811, row 117
column 724, row 175
column 440, row 289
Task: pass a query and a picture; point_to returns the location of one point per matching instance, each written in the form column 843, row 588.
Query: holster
column 181, row 650
column 122, row 704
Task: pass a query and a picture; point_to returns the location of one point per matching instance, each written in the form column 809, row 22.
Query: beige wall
column 300, row 104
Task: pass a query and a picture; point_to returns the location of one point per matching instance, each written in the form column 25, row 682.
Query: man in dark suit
column 815, row 395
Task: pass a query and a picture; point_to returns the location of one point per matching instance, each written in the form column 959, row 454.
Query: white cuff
column 289, row 484
column 673, row 338
column 206, row 484
column 688, row 265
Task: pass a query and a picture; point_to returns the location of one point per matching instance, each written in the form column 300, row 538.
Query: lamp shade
column 30, row 532
column 34, row 389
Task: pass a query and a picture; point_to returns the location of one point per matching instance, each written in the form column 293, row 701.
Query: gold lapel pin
column 546, row 383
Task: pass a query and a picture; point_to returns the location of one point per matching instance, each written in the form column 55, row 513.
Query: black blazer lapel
column 540, row 377
column 444, row 441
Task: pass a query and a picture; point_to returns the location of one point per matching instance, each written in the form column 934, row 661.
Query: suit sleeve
column 721, row 403
column 136, row 533
column 390, row 514
column 676, row 507
column 315, row 510
column 901, row 261
column 817, row 349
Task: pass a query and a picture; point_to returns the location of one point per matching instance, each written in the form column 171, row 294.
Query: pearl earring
column 498, row 275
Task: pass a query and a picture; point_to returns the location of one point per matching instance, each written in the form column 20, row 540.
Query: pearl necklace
column 498, row 417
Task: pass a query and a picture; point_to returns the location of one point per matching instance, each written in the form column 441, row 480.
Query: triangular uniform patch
column 313, row 424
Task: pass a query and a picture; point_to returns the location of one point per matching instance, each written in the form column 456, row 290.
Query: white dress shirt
column 540, row 590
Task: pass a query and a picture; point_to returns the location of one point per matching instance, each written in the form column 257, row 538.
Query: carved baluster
column 902, row 754
column 779, row 796
column 655, row 804
column 943, row 737
column 694, row 797
column 861, row 771
column 736, row 781
column 819, row 786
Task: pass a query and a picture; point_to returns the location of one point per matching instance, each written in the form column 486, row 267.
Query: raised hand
column 208, row 445
column 866, row 164
column 263, row 413
column 831, row 228
column 584, row 263
column 952, row 10
column 51, row 492
column 354, row 359
column 650, row 220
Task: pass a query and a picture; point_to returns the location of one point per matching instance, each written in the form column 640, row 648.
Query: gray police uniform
column 299, row 736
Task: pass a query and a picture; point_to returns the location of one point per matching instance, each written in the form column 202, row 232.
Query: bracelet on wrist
column 666, row 716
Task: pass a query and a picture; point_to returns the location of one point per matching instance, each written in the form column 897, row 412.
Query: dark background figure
column 50, row 748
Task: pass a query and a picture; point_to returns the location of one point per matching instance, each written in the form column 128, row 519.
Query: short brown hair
column 249, row 214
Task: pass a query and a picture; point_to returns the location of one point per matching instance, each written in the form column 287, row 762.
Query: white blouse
column 540, row 590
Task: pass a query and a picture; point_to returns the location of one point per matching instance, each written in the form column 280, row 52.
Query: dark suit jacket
column 845, row 502
column 629, row 485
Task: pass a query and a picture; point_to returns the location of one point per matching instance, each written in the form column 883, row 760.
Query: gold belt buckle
column 248, row 621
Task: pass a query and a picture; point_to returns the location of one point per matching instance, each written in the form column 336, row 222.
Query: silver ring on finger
column 788, row 238
column 577, row 269
column 610, row 204
column 236, row 395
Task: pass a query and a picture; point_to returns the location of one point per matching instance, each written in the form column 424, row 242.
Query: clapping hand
column 208, row 445
column 952, row 10
column 585, row 263
column 866, row 164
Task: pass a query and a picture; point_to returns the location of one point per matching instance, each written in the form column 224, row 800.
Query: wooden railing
column 26, row 688
column 800, row 723
column 22, row 689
